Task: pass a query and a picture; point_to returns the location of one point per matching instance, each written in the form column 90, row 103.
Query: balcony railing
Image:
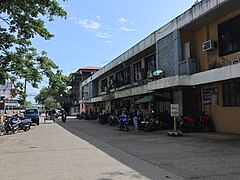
column 188, row 67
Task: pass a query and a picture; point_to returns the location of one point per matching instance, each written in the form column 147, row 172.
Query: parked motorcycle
column 10, row 124
column 203, row 123
column 103, row 118
column 113, row 120
column 123, row 123
column 25, row 124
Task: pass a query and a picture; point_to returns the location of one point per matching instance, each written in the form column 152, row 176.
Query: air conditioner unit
column 236, row 61
column 209, row 45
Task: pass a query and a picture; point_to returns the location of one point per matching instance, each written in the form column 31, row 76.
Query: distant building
column 7, row 102
column 78, row 94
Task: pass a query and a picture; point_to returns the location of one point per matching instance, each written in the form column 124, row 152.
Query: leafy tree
column 57, row 90
column 50, row 103
column 20, row 22
column 42, row 96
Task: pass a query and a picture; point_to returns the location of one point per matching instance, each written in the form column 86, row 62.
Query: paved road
column 81, row 149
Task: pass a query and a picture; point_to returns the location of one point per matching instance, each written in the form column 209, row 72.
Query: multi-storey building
column 76, row 93
column 198, row 52
column 7, row 102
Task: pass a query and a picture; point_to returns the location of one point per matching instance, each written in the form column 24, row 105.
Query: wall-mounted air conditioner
column 209, row 45
column 236, row 61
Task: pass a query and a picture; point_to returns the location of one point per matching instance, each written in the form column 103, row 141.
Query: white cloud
column 124, row 25
column 108, row 42
column 127, row 29
column 89, row 24
column 103, row 35
column 122, row 20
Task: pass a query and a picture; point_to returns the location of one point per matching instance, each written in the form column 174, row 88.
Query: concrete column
column 178, row 99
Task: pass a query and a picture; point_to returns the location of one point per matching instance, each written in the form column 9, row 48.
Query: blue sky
column 96, row 32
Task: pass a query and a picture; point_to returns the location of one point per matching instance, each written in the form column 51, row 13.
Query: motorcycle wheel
column 14, row 131
column 183, row 128
column 2, row 131
column 27, row 127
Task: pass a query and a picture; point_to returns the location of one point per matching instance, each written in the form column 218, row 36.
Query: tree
column 42, row 96
column 57, row 90
column 50, row 103
column 20, row 22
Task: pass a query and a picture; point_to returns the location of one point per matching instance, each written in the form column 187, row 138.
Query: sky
column 97, row 31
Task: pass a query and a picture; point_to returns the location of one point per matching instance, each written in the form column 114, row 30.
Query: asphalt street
column 85, row 149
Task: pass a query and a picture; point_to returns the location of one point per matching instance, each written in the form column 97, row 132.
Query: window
column 229, row 36
column 137, row 71
column 123, row 77
column 231, row 94
column 104, row 85
column 150, row 64
column 111, row 82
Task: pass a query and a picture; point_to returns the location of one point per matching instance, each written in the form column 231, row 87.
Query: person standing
column 136, row 114
column 63, row 115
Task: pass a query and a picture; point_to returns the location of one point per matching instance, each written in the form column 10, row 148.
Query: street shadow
column 105, row 138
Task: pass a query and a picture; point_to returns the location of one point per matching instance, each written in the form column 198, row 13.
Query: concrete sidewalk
column 50, row 152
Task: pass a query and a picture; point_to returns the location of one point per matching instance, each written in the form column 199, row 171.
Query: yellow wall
column 207, row 32
column 226, row 119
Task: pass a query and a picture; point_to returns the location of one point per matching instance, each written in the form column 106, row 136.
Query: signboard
column 210, row 96
column 174, row 110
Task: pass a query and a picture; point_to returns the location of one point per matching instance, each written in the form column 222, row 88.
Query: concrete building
column 76, row 92
column 198, row 52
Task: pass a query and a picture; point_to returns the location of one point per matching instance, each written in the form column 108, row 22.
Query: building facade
column 199, row 54
column 76, row 92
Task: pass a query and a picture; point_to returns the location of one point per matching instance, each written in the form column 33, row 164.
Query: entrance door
column 190, row 102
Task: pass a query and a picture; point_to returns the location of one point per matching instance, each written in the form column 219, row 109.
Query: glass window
column 111, row 82
column 123, row 77
column 137, row 71
column 231, row 94
column 229, row 37
column 104, row 85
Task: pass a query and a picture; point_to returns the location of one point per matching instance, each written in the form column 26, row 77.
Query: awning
column 151, row 98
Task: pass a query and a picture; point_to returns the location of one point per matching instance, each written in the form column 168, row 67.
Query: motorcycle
column 113, row 120
column 123, row 123
column 10, row 124
column 25, row 124
column 203, row 123
column 103, row 118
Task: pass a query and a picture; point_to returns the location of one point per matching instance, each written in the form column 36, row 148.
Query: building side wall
column 166, row 55
column 226, row 119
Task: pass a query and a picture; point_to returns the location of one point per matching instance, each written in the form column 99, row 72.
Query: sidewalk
column 50, row 152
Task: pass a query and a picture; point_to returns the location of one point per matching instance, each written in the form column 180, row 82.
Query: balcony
column 188, row 67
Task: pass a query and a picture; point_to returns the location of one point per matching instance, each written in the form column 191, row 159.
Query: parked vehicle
column 25, row 124
column 91, row 116
column 113, row 120
column 203, row 123
column 103, row 118
column 10, row 125
column 33, row 114
column 123, row 123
